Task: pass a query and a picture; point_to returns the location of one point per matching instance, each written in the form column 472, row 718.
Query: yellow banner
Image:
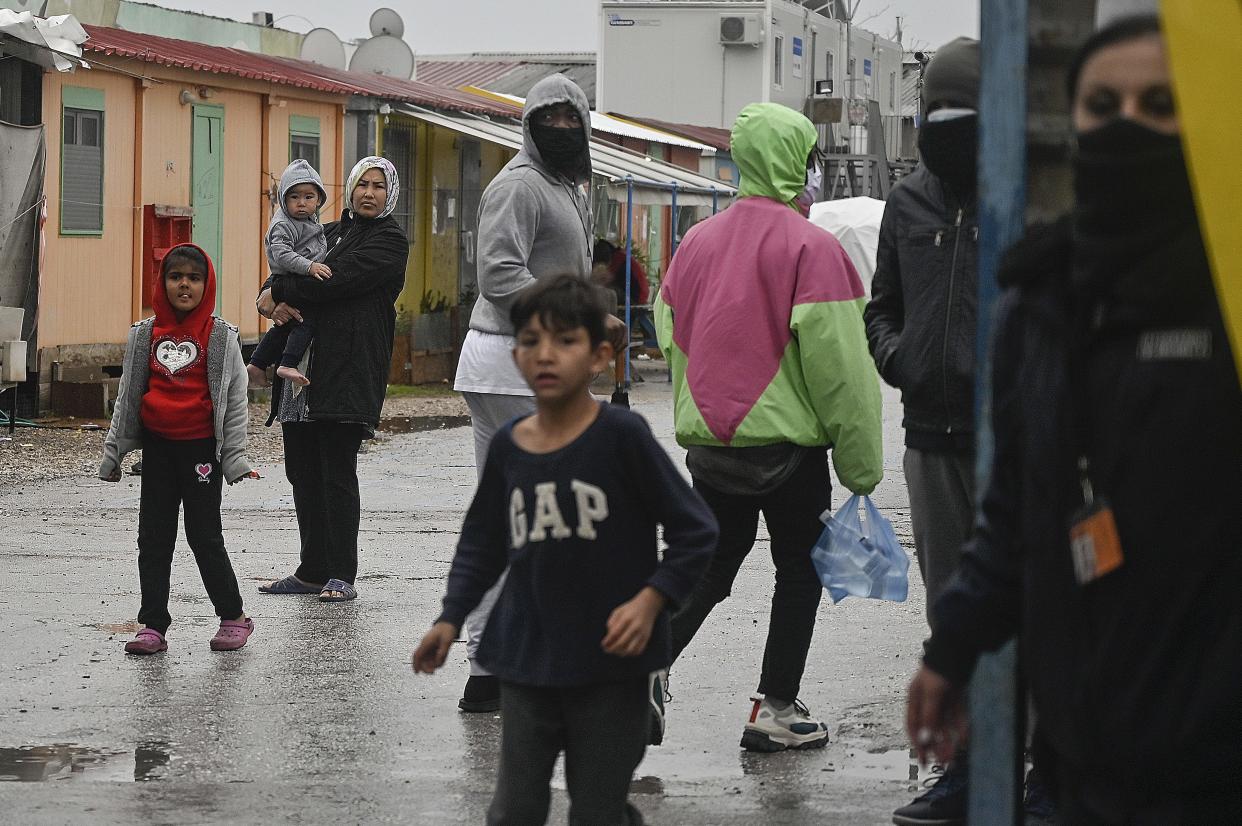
column 1204, row 38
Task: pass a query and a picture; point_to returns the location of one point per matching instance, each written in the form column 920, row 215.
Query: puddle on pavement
column 647, row 784
column 896, row 764
column 421, row 424
column 33, row 764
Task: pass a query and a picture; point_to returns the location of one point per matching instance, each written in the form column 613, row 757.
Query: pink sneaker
column 147, row 641
column 232, row 634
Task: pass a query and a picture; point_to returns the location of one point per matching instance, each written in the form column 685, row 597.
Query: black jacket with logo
column 922, row 315
column 1143, row 666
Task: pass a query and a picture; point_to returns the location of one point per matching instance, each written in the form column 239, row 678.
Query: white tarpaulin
column 856, row 223
column 50, row 35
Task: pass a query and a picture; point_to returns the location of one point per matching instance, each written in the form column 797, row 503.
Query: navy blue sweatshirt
column 577, row 529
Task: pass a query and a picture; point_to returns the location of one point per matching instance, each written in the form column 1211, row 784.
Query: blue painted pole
column 996, row 703
column 629, row 263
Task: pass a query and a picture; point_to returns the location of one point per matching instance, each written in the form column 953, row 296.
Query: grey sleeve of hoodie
column 236, row 416
column 121, row 413
column 508, row 224
column 282, row 257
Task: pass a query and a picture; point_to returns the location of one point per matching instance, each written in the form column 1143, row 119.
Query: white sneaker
column 657, row 688
column 792, row 727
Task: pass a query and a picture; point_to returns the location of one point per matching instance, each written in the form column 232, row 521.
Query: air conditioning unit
column 740, row 29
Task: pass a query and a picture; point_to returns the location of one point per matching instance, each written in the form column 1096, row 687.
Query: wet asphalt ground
column 320, row 719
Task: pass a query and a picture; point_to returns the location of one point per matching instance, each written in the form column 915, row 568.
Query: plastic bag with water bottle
column 857, row 559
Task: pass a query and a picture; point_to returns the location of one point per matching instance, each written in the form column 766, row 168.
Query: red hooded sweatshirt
column 177, row 404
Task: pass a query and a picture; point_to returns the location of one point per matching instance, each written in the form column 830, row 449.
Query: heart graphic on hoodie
column 175, row 356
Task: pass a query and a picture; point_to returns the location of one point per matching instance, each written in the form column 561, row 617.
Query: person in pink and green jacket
column 761, row 319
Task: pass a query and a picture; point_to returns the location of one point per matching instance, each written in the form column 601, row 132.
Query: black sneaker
column 657, row 689
column 944, row 804
column 1037, row 803
column 481, row 694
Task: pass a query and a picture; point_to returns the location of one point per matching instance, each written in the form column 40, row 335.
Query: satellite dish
column 387, row 21
column 323, row 47
column 384, row 55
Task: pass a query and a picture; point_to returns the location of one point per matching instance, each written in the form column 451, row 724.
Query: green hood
column 770, row 144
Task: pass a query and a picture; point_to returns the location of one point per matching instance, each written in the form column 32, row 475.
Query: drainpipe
column 265, row 203
column 137, row 259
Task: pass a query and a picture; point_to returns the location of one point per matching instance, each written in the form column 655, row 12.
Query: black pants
column 603, row 731
column 286, row 344
column 181, row 474
column 321, row 463
column 792, row 516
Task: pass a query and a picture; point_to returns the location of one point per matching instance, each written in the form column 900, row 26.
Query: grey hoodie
column 532, row 221
column 293, row 244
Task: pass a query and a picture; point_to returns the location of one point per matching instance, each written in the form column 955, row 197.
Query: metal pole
column 629, row 266
column 715, row 201
column 13, row 412
column 995, row 703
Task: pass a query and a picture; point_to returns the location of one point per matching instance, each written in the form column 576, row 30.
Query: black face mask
column 561, row 148
column 1136, row 232
column 950, row 151
column 1129, row 179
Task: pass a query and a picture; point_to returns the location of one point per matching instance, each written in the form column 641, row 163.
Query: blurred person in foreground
column 1110, row 531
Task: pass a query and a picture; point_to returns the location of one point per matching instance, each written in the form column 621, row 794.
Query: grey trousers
column 942, row 510
column 488, row 413
column 603, row 731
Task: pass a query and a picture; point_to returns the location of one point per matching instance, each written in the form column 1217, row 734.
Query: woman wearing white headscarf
column 324, row 425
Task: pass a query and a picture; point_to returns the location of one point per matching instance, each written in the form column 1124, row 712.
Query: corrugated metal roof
column 711, row 135
column 653, row 180
column 286, row 71
column 456, row 73
column 508, row 74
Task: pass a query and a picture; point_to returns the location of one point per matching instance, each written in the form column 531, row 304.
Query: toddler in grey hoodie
column 295, row 246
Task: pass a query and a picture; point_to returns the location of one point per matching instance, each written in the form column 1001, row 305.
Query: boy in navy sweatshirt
column 569, row 501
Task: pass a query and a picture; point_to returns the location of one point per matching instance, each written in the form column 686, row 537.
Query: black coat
column 1137, row 676
column 355, row 318
column 922, row 315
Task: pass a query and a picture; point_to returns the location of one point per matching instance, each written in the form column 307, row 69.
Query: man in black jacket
column 921, row 330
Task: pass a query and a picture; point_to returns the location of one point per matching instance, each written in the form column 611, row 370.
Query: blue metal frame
column 629, row 261
column 996, row 705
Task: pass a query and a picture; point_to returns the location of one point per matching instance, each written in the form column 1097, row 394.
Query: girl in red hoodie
column 182, row 400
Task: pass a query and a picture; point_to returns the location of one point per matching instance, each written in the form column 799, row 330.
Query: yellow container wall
column 85, row 291
column 89, row 282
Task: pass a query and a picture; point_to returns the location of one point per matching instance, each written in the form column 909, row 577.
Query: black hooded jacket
column 922, row 315
column 1142, row 667
column 355, row 318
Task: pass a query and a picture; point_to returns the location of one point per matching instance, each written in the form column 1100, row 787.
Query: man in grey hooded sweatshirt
column 295, row 245
column 534, row 222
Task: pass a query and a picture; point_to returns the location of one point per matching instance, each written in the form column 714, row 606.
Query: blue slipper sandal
column 290, row 585
column 346, row 591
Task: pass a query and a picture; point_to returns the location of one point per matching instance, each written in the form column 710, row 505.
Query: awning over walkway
column 654, row 181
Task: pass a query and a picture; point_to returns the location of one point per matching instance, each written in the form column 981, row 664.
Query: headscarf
column 198, row 322
column 390, row 176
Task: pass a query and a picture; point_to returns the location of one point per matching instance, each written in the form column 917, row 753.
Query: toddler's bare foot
column 257, row 375
column 292, row 374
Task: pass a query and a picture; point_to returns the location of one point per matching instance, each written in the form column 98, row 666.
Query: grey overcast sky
column 449, row 26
